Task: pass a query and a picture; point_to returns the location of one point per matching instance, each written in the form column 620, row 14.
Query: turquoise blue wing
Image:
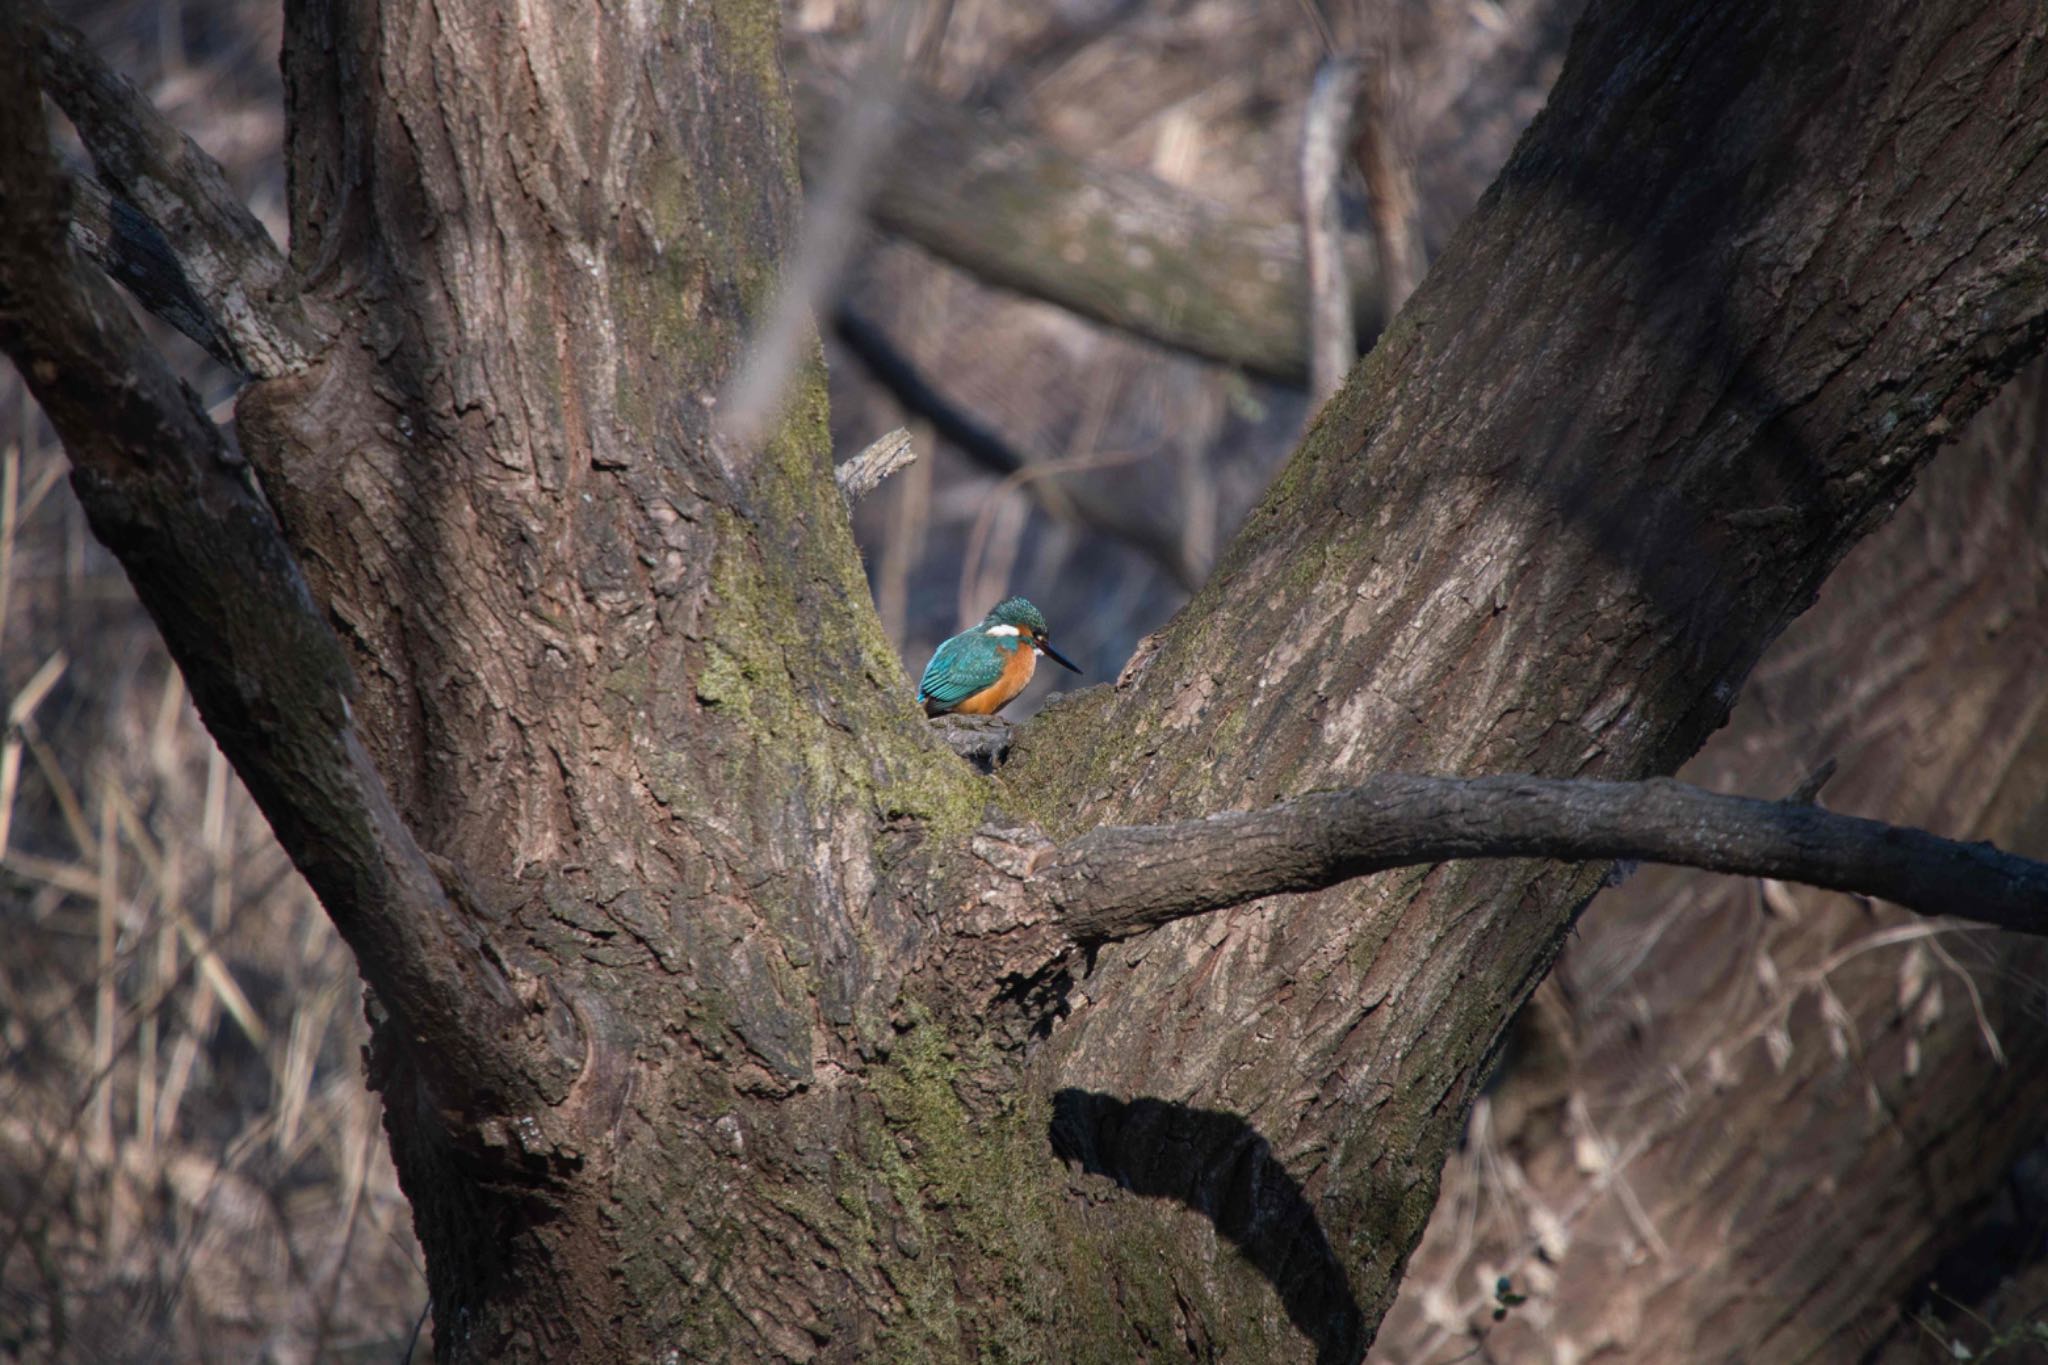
column 963, row 666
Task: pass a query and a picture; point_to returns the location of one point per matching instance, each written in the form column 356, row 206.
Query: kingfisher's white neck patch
column 1001, row 630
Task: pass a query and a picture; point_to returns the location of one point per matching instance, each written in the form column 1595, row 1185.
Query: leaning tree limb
column 225, row 255
column 1677, row 361
column 162, row 489
column 1115, row 246
column 1120, row 881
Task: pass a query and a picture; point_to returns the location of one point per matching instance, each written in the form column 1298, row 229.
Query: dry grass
column 190, row 1167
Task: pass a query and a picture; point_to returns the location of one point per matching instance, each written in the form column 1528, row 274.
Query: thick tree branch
column 1119, row 882
column 163, row 491
column 1681, row 356
column 1114, row 246
column 256, row 322
column 124, row 243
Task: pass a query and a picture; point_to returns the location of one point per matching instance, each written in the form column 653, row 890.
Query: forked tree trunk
column 737, row 1033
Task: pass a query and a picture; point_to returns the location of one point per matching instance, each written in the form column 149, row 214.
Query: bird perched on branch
column 978, row 671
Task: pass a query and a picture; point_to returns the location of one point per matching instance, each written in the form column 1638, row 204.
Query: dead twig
column 864, row 473
column 1333, row 334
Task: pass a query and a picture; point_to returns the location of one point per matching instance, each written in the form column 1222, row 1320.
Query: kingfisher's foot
column 983, row 741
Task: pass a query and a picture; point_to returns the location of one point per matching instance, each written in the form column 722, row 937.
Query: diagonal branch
column 1115, row 246
column 115, row 236
column 1120, row 882
column 256, row 322
column 163, row 491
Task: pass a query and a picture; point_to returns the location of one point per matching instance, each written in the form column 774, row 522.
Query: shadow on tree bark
column 1715, row 341
column 1218, row 1165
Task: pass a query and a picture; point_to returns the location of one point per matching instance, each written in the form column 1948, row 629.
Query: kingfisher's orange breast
column 1017, row 671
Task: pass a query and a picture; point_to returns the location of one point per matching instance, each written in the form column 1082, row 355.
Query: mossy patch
column 980, row 1182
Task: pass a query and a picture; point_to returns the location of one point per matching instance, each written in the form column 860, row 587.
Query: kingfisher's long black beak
column 1049, row 652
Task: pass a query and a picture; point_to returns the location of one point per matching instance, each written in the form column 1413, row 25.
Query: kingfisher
column 979, row 671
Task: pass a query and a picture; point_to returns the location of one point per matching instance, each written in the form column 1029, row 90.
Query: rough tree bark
column 730, row 1022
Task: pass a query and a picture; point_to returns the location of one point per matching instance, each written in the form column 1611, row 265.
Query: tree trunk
column 732, row 1028
column 1742, row 1117
column 621, row 677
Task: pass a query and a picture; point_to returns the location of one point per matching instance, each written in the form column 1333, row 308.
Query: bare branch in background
column 165, row 494
column 984, row 446
column 256, row 322
column 1117, row 247
column 1325, row 122
column 1119, row 882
